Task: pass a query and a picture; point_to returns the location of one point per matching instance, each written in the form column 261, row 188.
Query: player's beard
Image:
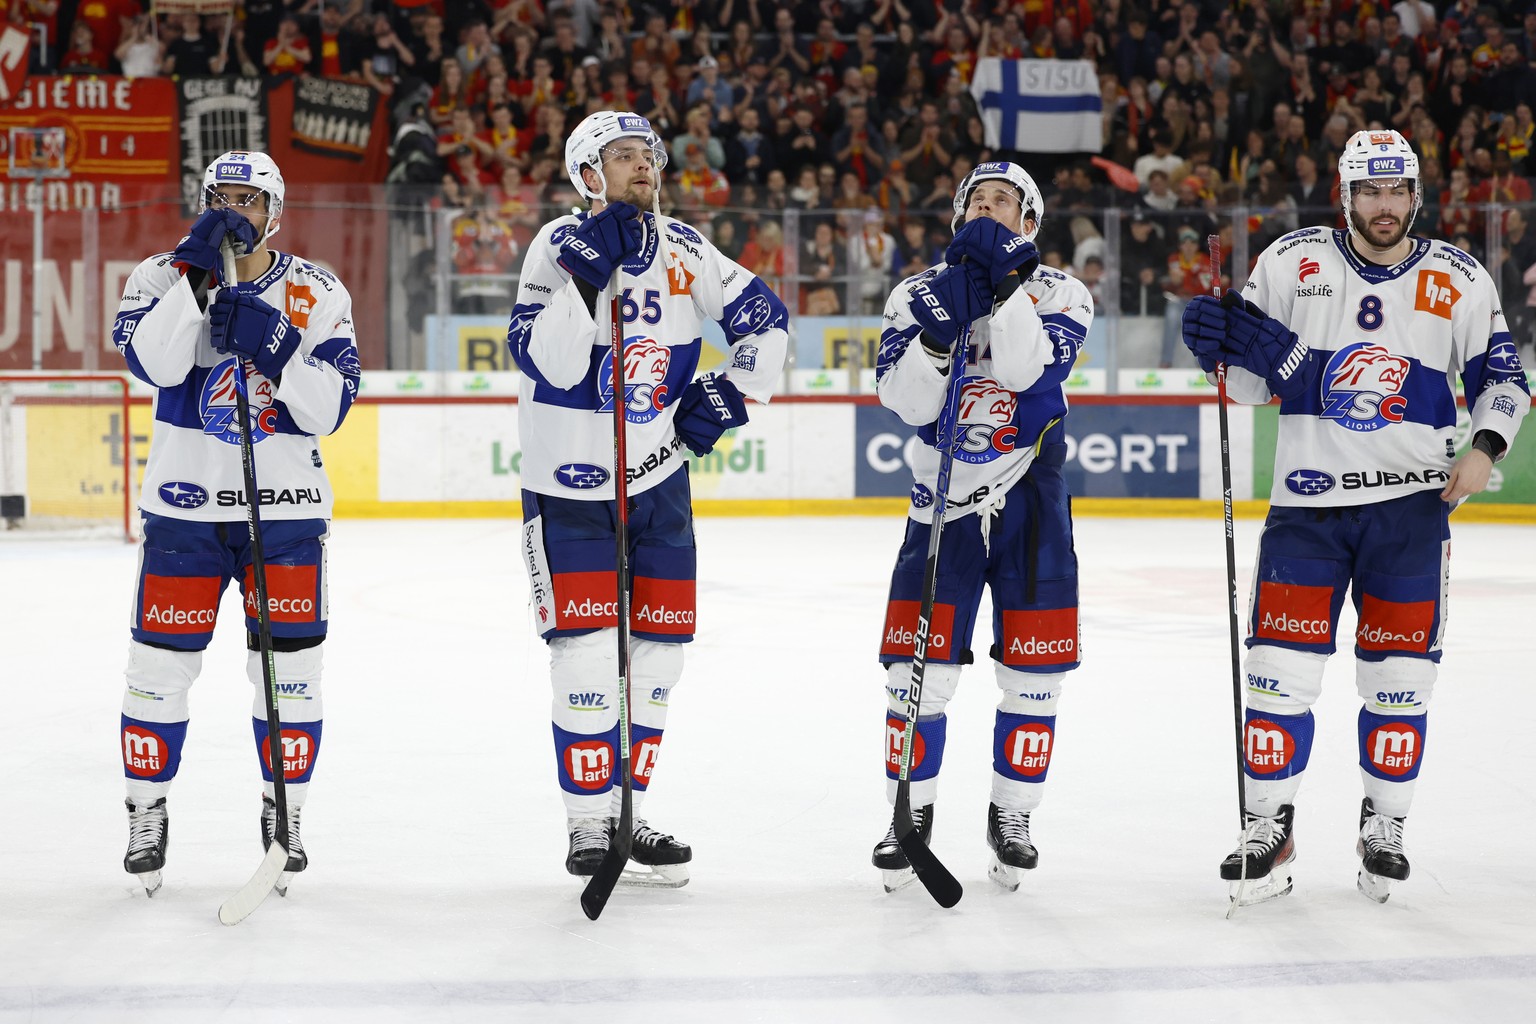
column 1363, row 230
column 633, row 196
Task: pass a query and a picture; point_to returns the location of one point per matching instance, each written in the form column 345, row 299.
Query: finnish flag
column 1039, row 106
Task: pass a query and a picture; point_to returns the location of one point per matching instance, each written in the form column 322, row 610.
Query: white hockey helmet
column 1382, row 156
column 1030, row 201
column 258, row 170
column 598, row 131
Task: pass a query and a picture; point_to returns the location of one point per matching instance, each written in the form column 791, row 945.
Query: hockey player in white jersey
column 1008, row 525
column 1361, row 334
column 669, row 281
column 181, row 327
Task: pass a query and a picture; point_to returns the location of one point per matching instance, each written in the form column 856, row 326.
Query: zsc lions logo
column 646, row 365
column 986, row 425
column 922, row 497
column 180, row 494
column 1362, row 387
column 581, row 475
column 216, row 404
column 1309, row 482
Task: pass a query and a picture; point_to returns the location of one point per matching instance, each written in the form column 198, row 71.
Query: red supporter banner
column 115, row 129
column 133, row 150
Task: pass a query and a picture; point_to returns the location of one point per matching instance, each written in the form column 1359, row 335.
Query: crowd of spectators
column 858, row 114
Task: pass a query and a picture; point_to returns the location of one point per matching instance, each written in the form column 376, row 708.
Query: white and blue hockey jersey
column 1021, row 355
column 669, row 288
column 194, row 469
column 1379, row 419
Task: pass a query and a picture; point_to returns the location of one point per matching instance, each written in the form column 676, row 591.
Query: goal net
column 66, row 456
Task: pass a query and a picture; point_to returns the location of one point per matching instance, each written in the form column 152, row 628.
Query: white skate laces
column 1382, row 834
column 1013, row 826
column 146, row 826
column 588, row 834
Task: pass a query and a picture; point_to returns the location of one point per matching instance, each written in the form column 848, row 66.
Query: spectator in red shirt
column 701, row 182
column 956, row 55
column 288, row 52
column 1189, row 274
column 83, row 55
column 334, row 50
column 1504, row 185
column 826, row 53
column 449, row 95
column 108, row 20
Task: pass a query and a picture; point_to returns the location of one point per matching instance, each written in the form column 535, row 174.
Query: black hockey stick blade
column 595, row 896
column 944, row 887
column 941, row 885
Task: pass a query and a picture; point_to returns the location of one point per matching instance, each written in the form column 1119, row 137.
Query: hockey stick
column 595, row 896
column 936, row 878
column 1213, row 244
column 250, row 896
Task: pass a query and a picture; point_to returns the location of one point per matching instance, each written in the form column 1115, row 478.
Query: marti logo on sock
column 1269, row 746
column 643, row 759
column 1028, row 748
column 1394, row 748
column 143, row 752
column 589, row 763
column 298, row 753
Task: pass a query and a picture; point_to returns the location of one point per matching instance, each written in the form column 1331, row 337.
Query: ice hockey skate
column 589, row 844
column 1380, row 847
column 1012, row 850
column 1260, row 868
column 149, row 833
column 662, row 860
column 298, row 860
column 895, row 871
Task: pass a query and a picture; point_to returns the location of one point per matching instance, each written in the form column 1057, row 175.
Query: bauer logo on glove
column 600, row 243
column 244, row 325
column 709, row 407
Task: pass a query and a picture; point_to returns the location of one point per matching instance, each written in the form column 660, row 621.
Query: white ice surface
column 437, row 892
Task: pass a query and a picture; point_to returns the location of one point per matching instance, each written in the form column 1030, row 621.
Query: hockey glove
column 954, row 296
column 600, row 243
column 1239, row 332
column 709, row 407
column 199, row 250
column 999, row 250
column 1205, row 331
column 246, row 326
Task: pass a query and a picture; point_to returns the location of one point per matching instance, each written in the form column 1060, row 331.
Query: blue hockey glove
column 246, row 326
column 600, row 243
column 1240, row 333
column 949, row 299
column 999, row 250
column 709, row 407
column 200, row 248
column 1205, row 331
